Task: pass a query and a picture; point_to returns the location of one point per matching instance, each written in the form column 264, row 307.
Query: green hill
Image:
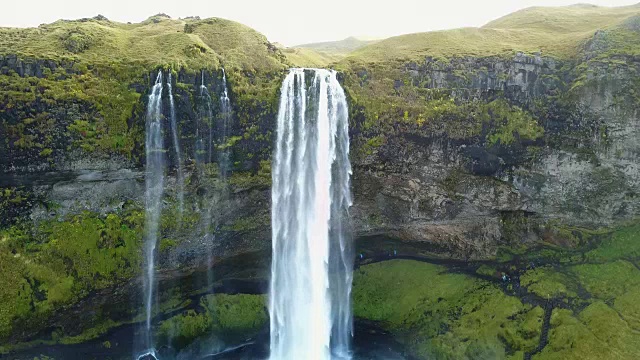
column 555, row 31
column 342, row 47
column 309, row 57
column 101, row 63
column 157, row 41
column 324, row 53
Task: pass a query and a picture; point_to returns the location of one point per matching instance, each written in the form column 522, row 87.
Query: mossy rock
column 436, row 313
column 58, row 263
column 229, row 317
column 598, row 332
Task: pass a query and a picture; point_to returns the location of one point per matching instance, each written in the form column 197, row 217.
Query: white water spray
column 204, row 92
column 225, row 112
column 176, row 148
column 311, row 271
column 154, row 186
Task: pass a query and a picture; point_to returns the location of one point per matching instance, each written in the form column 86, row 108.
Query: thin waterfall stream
column 154, row 188
column 312, row 256
column 204, row 158
column 225, row 111
column 176, row 148
column 204, row 92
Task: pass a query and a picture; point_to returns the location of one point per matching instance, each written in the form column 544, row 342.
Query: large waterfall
column 311, row 271
column 154, row 182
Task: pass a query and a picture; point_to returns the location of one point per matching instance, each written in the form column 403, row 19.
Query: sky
column 291, row 22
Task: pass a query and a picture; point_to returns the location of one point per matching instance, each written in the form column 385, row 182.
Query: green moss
column 452, row 316
column 91, row 333
column 486, row 270
column 597, row 332
column 166, row 244
column 511, row 121
column 609, row 280
column 227, row 316
column 184, row 328
column 429, row 112
column 90, row 71
column 248, row 223
column 247, row 180
column 628, row 307
column 372, row 144
column 623, row 244
column 547, row 283
column 14, row 202
column 237, row 315
column 60, row 262
column 441, row 314
column 98, row 107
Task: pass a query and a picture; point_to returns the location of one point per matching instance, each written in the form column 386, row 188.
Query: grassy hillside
column 342, row 47
column 555, row 31
column 325, row 53
column 309, row 57
column 99, row 64
column 157, row 41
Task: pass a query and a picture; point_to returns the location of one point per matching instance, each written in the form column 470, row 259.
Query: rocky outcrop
column 520, row 78
column 463, row 197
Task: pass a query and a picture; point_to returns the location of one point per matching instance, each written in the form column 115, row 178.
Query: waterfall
column 176, row 148
column 204, row 92
column 225, row 112
column 312, row 258
column 207, row 116
column 154, row 183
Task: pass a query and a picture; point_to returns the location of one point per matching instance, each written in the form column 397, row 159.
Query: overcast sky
column 291, row 22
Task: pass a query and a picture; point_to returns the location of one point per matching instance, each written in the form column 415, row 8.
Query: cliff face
column 458, row 155
column 449, row 183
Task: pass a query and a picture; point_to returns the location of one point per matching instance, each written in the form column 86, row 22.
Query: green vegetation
column 59, row 262
column 87, row 69
column 443, row 315
column 248, row 180
column 554, row 31
column 435, row 78
column 309, row 58
column 156, row 42
column 510, row 122
column 623, row 244
column 598, row 332
column 609, row 280
column 228, row 316
column 547, row 283
column 13, row 203
column 338, row 48
column 325, row 53
column 430, row 112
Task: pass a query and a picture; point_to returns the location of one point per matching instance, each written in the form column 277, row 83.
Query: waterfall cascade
column 208, row 116
column 204, row 154
column 176, row 148
column 311, row 271
column 225, row 112
column 154, row 186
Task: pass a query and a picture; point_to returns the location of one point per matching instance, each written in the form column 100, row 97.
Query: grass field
column 555, row 31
